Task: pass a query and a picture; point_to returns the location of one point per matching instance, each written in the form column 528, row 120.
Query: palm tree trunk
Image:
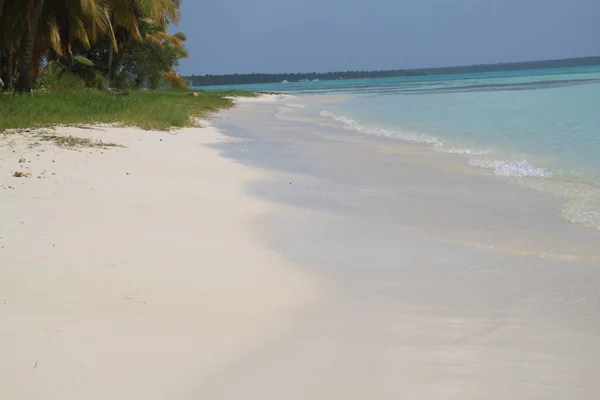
column 25, row 83
column 111, row 54
column 8, row 76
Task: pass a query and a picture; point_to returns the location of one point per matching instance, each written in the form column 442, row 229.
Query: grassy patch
column 152, row 109
column 73, row 142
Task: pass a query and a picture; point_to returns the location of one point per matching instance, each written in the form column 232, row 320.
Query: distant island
column 257, row 78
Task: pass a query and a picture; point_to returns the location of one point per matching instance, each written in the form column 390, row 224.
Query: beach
column 270, row 255
column 133, row 272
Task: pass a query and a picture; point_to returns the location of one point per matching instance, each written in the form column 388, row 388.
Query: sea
column 535, row 128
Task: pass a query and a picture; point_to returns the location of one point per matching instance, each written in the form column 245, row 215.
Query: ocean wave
column 583, row 199
column 461, row 151
column 408, row 136
column 584, row 211
column 582, row 204
column 344, row 119
column 520, row 168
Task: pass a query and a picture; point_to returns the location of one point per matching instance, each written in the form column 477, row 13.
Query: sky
column 270, row 36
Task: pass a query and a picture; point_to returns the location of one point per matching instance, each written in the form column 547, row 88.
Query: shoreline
column 579, row 193
column 535, row 204
column 137, row 268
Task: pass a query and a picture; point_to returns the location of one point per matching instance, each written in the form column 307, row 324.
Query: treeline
column 47, row 44
column 239, row 79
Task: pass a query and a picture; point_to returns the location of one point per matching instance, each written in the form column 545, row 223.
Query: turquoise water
column 541, row 127
column 387, row 84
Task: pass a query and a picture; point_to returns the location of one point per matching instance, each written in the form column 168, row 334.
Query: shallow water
column 442, row 280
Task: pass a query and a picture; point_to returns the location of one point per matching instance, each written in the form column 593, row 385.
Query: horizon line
column 403, row 69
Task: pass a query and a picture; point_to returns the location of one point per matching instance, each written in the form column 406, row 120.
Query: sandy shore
column 135, row 272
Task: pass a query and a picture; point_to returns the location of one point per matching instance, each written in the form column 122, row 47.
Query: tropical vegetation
column 62, row 51
column 54, row 44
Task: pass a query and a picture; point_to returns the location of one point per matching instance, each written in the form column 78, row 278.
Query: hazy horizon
column 268, row 36
column 394, row 69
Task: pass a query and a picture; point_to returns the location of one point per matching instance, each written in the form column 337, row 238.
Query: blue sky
column 241, row 36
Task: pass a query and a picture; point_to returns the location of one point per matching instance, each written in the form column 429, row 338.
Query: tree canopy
column 101, row 42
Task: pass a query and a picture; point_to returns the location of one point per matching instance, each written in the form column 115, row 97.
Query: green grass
column 156, row 109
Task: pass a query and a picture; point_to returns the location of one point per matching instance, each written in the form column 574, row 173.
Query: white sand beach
column 135, row 272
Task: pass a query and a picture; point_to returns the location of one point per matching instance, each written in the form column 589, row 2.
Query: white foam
column 520, row 168
column 408, row 136
column 584, row 210
column 583, row 199
column 346, row 120
column 462, row 151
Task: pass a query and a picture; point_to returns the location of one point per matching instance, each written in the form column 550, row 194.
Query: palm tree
column 126, row 16
column 25, row 83
column 8, row 76
column 12, row 26
column 36, row 29
column 57, row 25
